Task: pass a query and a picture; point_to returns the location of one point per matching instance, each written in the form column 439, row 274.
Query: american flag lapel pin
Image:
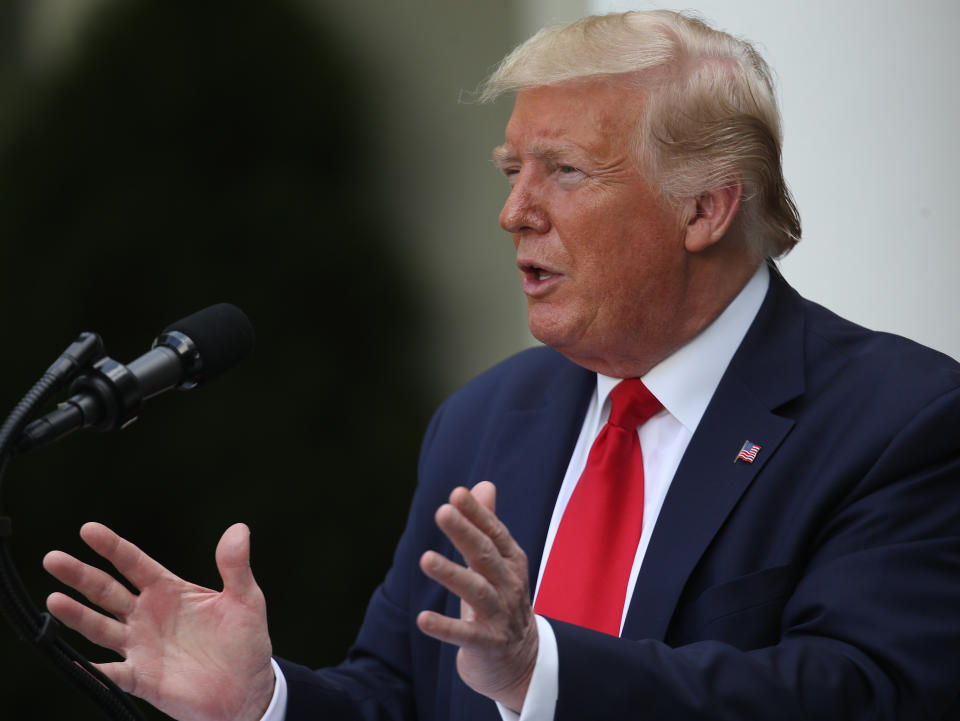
column 748, row 452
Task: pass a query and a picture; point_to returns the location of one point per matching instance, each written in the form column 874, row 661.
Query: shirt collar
column 685, row 381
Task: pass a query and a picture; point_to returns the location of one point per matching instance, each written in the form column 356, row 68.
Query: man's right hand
column 194, row 653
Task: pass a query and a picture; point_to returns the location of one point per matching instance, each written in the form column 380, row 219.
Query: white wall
column 870, row 101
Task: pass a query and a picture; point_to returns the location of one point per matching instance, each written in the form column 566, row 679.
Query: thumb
column 233, row 560
column 486, row 493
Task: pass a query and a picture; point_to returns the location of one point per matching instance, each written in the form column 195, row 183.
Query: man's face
column 601, row 255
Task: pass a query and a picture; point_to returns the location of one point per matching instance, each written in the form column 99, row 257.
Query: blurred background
column 322, row 165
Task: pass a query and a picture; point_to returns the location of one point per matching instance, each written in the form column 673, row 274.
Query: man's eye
column 511, row 175
column 569, row 170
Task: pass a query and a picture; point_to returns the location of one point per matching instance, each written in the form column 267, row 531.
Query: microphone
column 187, row 353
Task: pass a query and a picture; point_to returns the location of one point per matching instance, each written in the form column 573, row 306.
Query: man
column 797, row 548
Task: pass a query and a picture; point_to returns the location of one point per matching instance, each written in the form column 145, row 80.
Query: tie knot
column 631, row 404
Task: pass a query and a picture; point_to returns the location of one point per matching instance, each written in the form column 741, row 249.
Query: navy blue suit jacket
column 820, row 581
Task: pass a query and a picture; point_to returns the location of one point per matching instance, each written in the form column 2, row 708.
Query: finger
column 95, row 627
column 233, row 560
column 477, row 549
column 99, row 587
column 451, row 630
column 473, row 505
column 468, row 585
column 135, row 565
column 486, row 493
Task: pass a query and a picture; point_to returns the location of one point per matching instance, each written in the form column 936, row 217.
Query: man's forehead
column 550, row 122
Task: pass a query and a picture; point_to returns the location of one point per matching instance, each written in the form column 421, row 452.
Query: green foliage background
column 197, row 152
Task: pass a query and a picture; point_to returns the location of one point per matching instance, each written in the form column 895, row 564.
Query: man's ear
column 710, row 216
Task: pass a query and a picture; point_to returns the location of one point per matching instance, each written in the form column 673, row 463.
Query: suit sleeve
column 870, row 630
column 393, row 671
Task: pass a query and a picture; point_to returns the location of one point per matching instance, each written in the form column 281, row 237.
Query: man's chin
column 562, row 338
column 584, row 350
column 549, row 332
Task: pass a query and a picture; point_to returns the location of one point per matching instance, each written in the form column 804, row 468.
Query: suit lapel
column 530, row 456
column 765, row 373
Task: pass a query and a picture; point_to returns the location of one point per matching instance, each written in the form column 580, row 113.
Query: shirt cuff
column 541, row 701
column 277, row 710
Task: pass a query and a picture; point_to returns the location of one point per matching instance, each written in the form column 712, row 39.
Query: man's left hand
column 496, row 631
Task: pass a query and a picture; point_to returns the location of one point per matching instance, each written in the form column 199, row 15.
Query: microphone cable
column 37, row 628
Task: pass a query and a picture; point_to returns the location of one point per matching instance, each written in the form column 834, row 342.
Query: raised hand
column 194, row 653
column 496, row 631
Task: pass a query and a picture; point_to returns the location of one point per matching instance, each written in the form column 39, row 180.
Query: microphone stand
column 33, row 626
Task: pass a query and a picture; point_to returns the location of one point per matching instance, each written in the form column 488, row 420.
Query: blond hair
column 710, row 117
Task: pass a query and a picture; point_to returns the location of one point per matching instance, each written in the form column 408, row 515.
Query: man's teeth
column 543, row 275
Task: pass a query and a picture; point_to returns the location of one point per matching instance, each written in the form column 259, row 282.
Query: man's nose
column 523, row 211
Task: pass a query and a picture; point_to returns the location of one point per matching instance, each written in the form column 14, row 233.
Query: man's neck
column 636, row 359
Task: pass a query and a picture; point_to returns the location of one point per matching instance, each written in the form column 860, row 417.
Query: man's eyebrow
column 502, row 155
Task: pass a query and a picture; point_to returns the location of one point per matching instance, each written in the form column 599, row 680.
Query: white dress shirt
column 684, row 383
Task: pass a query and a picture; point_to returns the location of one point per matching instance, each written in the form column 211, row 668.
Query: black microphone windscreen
column 223, row 336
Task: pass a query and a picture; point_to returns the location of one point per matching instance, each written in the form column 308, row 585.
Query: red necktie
column 585, row 580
